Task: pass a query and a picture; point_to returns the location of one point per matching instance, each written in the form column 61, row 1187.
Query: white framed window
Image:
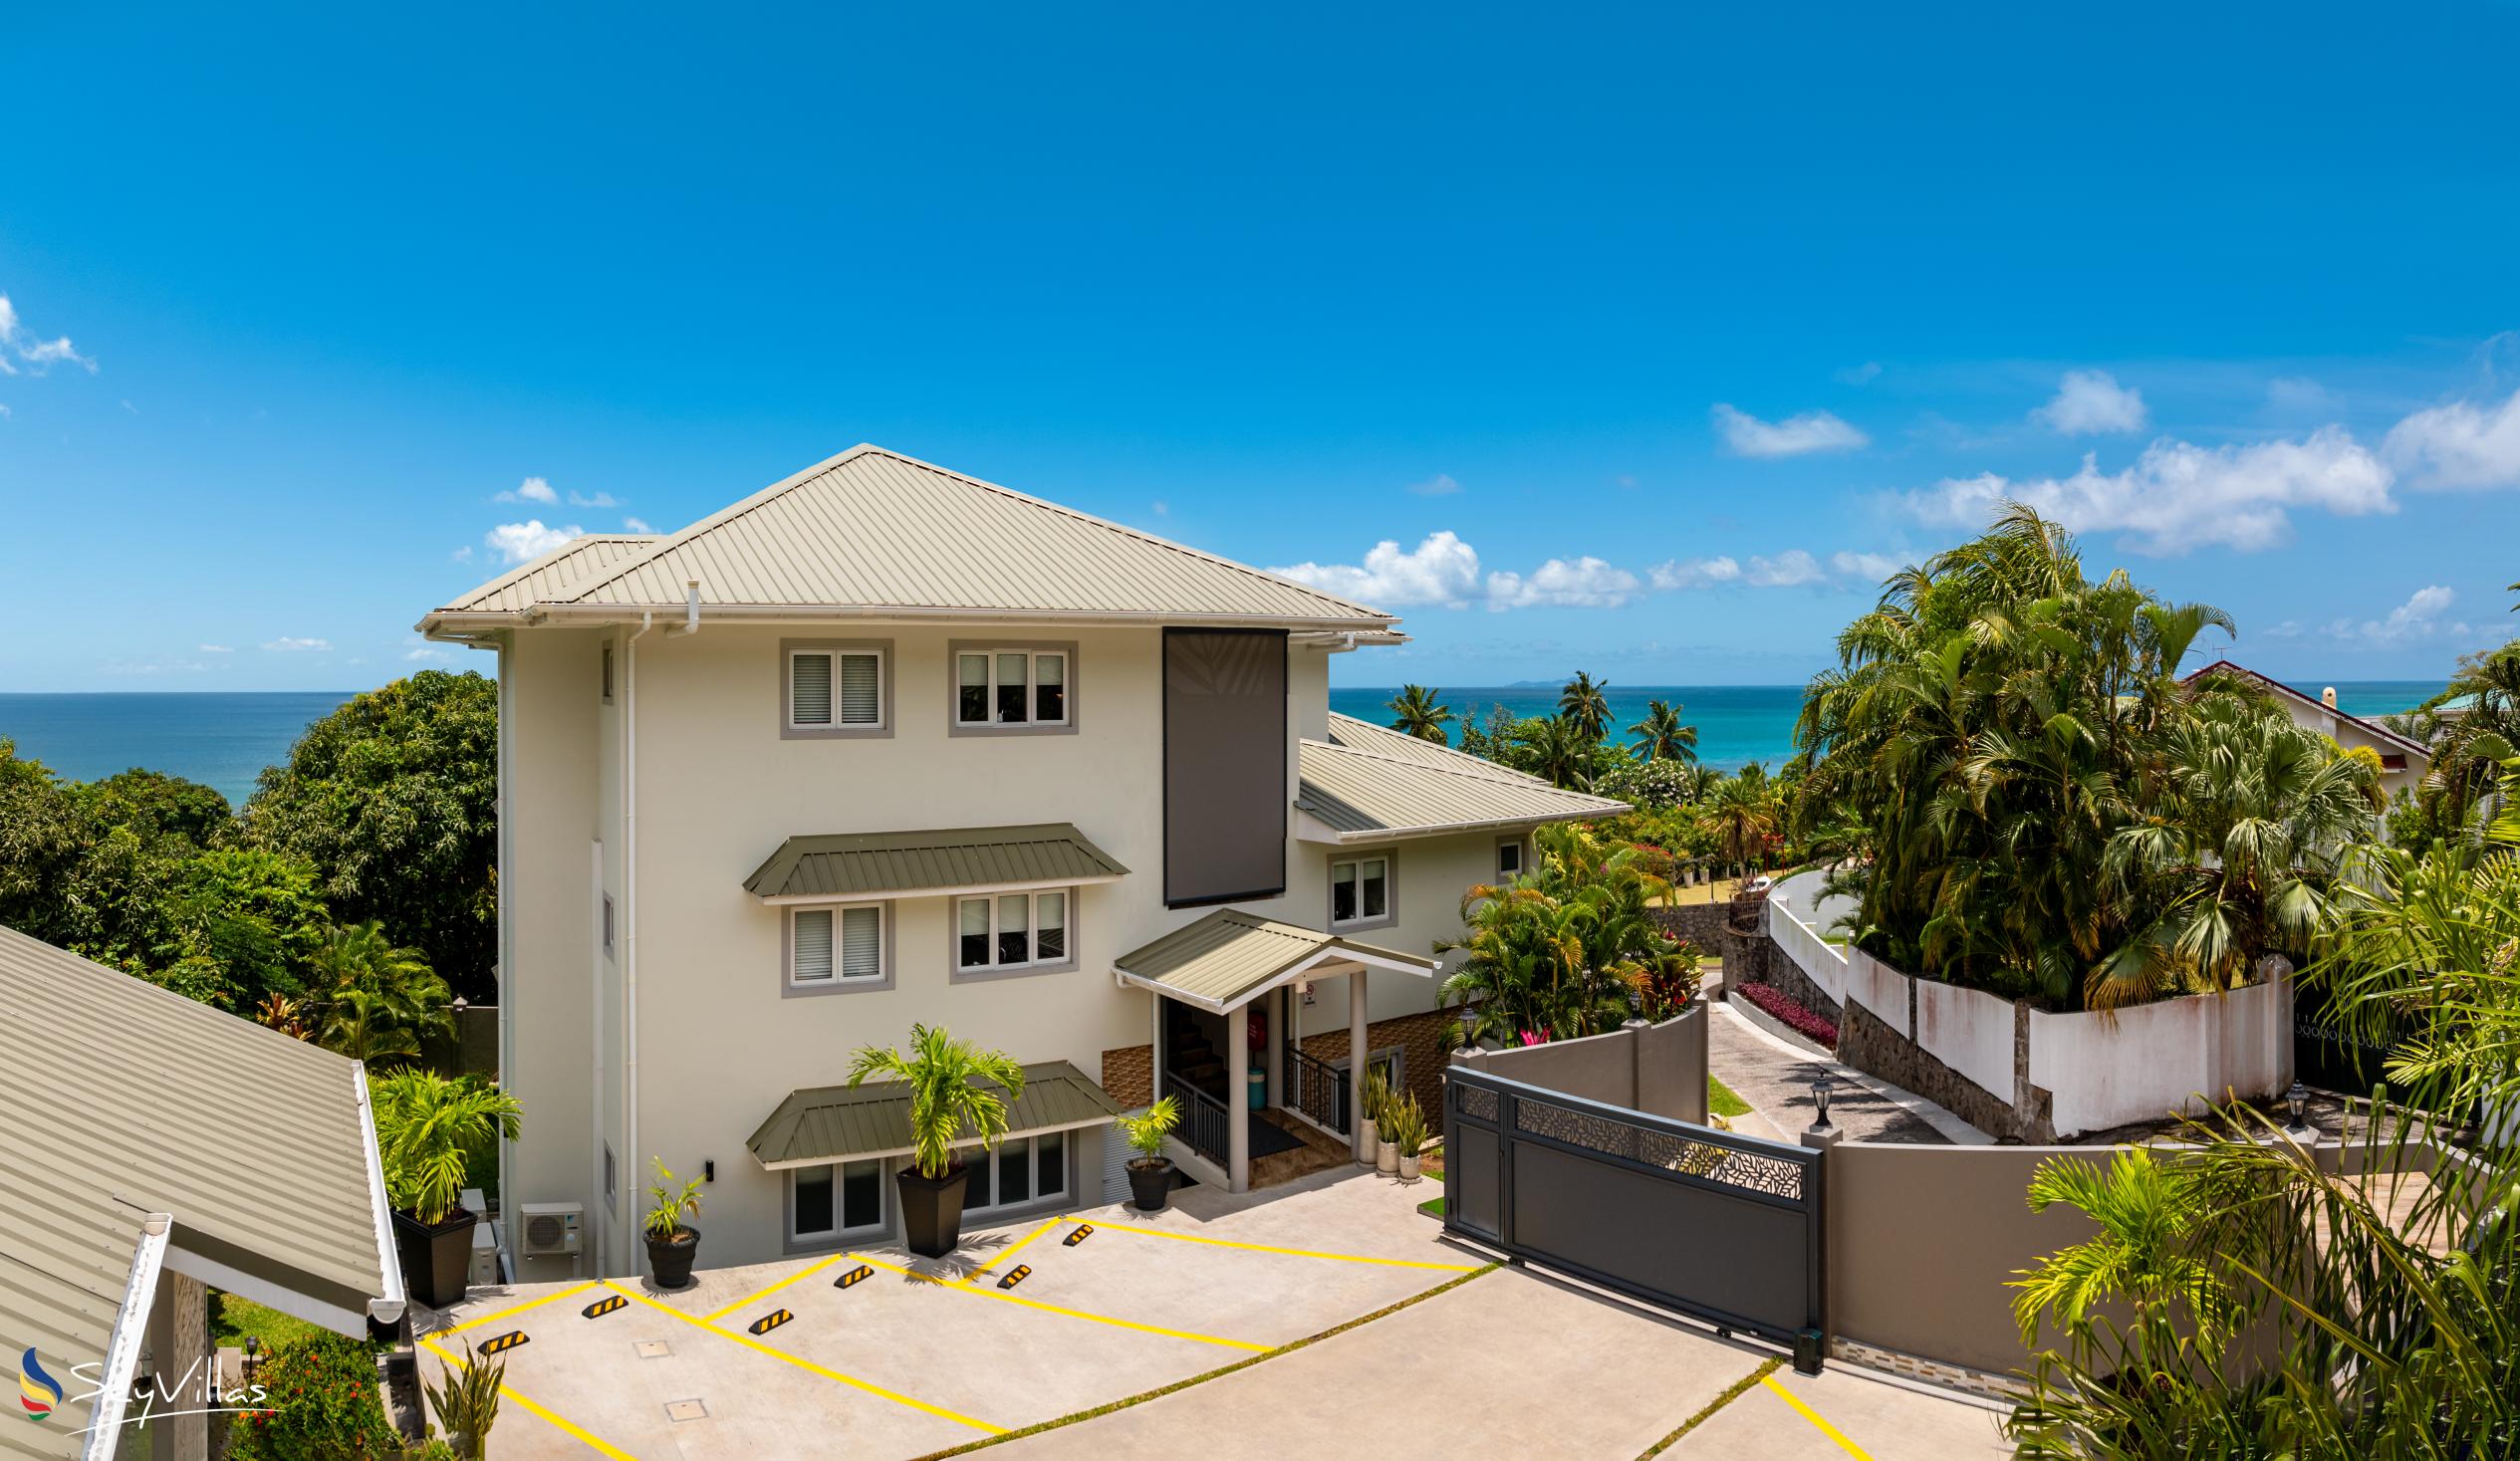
column 1018, row 930
column 836, row 945
column 1023, row 1170
column 834, row 689
column 1361, row 891
column 1011, row 686
column 608, row 674
column 843, row 1200
column 1509, row 860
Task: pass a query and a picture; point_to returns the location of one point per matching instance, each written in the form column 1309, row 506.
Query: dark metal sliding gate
column 1720, row 1227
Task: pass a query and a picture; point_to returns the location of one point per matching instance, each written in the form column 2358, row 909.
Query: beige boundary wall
column 2040, row 1076
column 1659, row 1070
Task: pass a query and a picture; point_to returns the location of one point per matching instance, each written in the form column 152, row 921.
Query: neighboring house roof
column 121, row 1101
column 836, row 1123
column 1369, row 783
column 874, row 534
column 891, row 864
column 2376, row 730
column 1230, row 957
column 550, row 575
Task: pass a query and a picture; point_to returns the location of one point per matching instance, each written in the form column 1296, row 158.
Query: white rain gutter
column 690, row 612
column 130, row 1336
column 388, row 1306
column 630, row 900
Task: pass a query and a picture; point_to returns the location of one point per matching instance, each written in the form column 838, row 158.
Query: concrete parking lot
column 918, row 1357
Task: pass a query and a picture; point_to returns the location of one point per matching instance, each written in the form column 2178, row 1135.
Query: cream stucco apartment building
column 883, row 744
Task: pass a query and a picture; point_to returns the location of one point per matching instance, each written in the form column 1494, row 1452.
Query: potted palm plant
column 425, row 1122
column 672, row 1244
column 1378, row 1095
column 1150, row 1171
column 950, row 1103
column 1407, row 1130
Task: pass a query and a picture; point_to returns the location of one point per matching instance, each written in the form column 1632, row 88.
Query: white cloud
column 462, row 555
column 422, row 652
column 2089, row 402
column 1439, row 485
column 2178, row 496
column 38, row 355
column 532, row 489
column 1697, row 572
column 527, row 541
column 2420, row 617
column 639, row 525
column 288, row 645
column 1811, row 431
column 2298, row 397
column 1788, row 569
column 2461, row 444
column 1443, row 570
column 1872, row 566
column 218, row 649
column 1862, row 375
column 1584, row 582
column 601, row 499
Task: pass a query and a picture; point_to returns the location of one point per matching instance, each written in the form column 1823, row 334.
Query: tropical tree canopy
column 1996, row 724
column 1569, row 948
column 1583, row 702
column 1662, row 737
column 1416, row 712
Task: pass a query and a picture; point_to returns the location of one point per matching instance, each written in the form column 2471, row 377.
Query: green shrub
column 323, row 1402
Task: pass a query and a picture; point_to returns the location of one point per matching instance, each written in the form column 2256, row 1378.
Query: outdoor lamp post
column 253, row 1355
column 2297, row 1100
column 1819, row 1100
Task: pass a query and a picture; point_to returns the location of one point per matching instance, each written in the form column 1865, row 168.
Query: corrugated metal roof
column 65, row 1256
column 872, row 530
column 550, row 575
column 1368, row 782
column 110, row 1107
column 836, row 1123
column 1229, row 956
column 870, row 863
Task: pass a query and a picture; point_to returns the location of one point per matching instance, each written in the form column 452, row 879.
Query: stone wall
column 1869, row 1044
column 1746, row 957
column 1128, row 1074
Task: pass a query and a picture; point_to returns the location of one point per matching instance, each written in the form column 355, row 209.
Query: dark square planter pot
column 932, row 1211
column 1149, row 1182
column 670, row 1259
column 436, row 1262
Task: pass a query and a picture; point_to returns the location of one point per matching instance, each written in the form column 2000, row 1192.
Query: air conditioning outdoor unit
column 553, row 1229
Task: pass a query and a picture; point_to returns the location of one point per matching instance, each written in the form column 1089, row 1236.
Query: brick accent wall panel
column 1128, row 1074
column 1426, row 1042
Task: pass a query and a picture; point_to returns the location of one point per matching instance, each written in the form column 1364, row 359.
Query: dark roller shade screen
column 1225, row 795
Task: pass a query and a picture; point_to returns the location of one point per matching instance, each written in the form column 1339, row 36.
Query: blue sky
column 1681, row 326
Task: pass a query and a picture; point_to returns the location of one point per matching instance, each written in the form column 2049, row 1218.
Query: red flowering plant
column 323, row 1403
column 1795, row 1017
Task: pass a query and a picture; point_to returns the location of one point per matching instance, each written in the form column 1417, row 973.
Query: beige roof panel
column 874, row 534
column 550, row 575
column 834, row 1123
column 110, row 1088
column 1229, row 957
column 1368, row 783
column 891, row 863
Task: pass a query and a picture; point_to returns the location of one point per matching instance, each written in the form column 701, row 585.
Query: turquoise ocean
column 225, row 740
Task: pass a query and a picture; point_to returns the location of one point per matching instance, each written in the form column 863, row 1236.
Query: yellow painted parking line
column 1831, row 1431
column 962, row 1287
column 808, row 1366
column 755, row 1297
column 474, row 1324
column 578, row 1432
column 1046, row 1226
column 1449, row 1268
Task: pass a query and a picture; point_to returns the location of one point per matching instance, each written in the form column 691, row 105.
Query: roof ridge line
column 1486, row 769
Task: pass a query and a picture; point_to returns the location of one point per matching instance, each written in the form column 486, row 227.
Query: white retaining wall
column 2100, row 1069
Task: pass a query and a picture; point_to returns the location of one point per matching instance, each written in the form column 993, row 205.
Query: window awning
column 1229, row 958
column 892, row 864
column 830, row 1123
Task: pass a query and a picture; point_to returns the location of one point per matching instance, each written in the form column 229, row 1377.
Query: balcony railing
column 1316, row 1090
column 1202, row 1119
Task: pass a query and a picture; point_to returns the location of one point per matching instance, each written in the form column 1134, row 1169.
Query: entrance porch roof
column 1230, row 958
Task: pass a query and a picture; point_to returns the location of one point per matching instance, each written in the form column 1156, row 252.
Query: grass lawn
column 1721, row 1100
column 1432, row 1206
column 232, row 1318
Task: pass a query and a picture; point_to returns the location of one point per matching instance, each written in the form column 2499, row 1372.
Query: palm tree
column 1414, row 712
column 1662, row 737
column 1570, row 948
column 1558, row 751
column 949, row 1101
column 379, row 1001
column 1582, row 702
column 426, row 1124
column 1742, row 815
column 358, row 1022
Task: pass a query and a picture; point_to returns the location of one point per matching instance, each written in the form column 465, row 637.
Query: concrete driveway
column 916, row 1356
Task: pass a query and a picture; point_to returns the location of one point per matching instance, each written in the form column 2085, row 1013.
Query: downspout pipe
column 629, row 916
column 690, row 612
